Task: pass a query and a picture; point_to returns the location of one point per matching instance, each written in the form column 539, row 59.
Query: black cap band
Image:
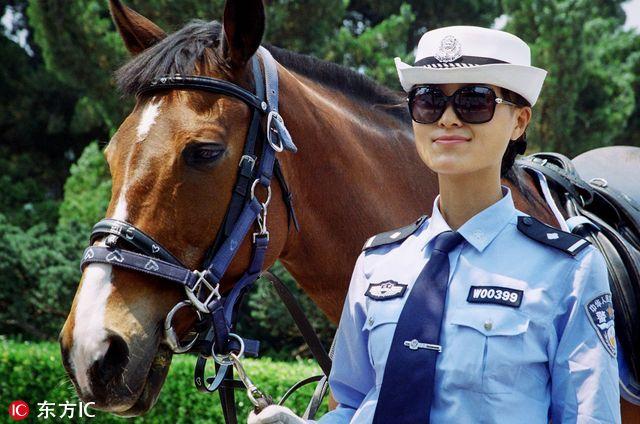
column 461, row 62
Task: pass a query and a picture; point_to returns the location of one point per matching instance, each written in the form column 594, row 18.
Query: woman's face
column 483, row 145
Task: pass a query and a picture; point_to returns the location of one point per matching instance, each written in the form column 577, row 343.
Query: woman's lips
column 450, row 139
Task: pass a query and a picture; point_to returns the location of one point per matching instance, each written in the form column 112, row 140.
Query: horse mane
column 196, row 44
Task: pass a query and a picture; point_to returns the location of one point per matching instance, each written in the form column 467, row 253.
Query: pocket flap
column 379, row 316
column 491, row 321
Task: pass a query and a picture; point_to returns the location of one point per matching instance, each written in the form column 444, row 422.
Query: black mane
column 197, row 42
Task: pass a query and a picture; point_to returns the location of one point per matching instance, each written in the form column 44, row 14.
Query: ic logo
column 18, row 410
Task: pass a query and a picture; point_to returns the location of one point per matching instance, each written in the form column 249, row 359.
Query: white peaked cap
column 470, row 54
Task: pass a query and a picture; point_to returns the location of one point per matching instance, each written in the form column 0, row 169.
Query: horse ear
column 137, row 32
column 243, row 29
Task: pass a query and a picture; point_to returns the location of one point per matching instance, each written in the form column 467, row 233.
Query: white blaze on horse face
column 89, row 334
column 121, row 207
column 149, row 116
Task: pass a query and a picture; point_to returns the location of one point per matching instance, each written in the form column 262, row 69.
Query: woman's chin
column 450, row 166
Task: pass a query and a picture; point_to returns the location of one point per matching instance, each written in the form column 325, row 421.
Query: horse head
column 174, row 161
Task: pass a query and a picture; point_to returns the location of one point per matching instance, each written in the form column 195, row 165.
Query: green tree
column 372, row 51
column 86, row 191
column 288, row 23
column 40, row 265
column 38, row 140
column 37, row 274
column 581, row 44
column 428, row 14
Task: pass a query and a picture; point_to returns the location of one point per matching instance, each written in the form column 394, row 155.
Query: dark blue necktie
column 407, row 384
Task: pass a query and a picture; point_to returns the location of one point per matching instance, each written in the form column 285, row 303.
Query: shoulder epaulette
column 394, row 236
column 537, row 230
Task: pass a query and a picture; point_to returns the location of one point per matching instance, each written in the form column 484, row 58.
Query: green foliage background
column 178, row 403
column 58, row 105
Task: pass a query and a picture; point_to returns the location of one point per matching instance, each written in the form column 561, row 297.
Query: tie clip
column 415, row 345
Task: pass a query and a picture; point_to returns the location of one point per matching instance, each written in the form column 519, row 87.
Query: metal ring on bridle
column 170, row 333
column 253, row 194
column 270, row 130
column 224, row 359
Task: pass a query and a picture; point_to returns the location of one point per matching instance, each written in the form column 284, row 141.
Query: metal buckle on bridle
column 194, row 293
column 262, row 218
column 271, row 130
column 170, row 332
column 249, row 159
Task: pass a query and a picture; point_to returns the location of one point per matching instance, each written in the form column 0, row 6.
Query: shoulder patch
column 537, row 230
column 394, row 236
column 601, row 315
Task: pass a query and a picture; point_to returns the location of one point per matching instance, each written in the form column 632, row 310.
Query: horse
column 173, row 163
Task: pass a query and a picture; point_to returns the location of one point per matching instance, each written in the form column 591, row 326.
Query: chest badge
column 386, row 290
column 494, row 294
column 600, row 312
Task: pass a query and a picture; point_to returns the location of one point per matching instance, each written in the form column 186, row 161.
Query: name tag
column 496, row 295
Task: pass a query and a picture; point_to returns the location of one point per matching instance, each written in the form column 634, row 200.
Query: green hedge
column 33, row 372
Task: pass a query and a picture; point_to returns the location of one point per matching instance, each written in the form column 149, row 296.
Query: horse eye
column 202, row 154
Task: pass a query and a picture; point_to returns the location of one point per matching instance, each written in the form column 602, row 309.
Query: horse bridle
column 216, row 313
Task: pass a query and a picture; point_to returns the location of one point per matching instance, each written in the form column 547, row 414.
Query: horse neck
column 356, row 173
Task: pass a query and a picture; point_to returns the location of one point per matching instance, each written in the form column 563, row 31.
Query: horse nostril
column 114, row 361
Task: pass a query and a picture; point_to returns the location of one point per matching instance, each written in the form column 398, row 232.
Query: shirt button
column 488, row 325
column 371, row 320
column 478, row 235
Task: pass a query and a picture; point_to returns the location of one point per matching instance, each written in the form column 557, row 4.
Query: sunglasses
column 473, row 104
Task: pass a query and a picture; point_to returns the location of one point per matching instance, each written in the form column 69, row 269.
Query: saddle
column 601, row 192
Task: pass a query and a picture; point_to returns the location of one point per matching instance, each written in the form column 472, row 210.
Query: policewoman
column 478, row 313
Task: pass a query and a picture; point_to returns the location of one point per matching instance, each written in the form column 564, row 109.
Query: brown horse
column 356, row 174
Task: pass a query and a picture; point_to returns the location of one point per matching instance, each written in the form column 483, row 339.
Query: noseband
column 216, row 313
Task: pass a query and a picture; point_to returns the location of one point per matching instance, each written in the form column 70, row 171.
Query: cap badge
column 450, row 49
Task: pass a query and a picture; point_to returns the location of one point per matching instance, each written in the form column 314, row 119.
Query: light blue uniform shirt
column 499, row 364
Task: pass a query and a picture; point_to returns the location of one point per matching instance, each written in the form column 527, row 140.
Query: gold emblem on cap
column 450, row 49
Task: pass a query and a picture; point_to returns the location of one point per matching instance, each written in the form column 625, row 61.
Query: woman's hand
column 276, row 414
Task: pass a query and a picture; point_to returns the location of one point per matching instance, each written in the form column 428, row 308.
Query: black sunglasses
column 473, row 104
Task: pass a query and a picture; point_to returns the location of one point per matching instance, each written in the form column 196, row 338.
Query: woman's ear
column 523, row 117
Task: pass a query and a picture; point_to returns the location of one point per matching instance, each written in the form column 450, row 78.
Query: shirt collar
column 480, row 229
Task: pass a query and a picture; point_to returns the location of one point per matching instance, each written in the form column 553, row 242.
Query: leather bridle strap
column 211, row 85
column 132, row 235
column 303, row 324
column 247, row 162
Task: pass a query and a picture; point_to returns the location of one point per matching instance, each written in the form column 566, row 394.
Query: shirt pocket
column 488, row 347
column 380, row 326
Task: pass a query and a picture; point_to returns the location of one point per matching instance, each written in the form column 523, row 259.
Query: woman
column 479, row 313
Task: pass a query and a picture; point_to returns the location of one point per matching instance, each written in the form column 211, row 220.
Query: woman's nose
column 449, row 118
